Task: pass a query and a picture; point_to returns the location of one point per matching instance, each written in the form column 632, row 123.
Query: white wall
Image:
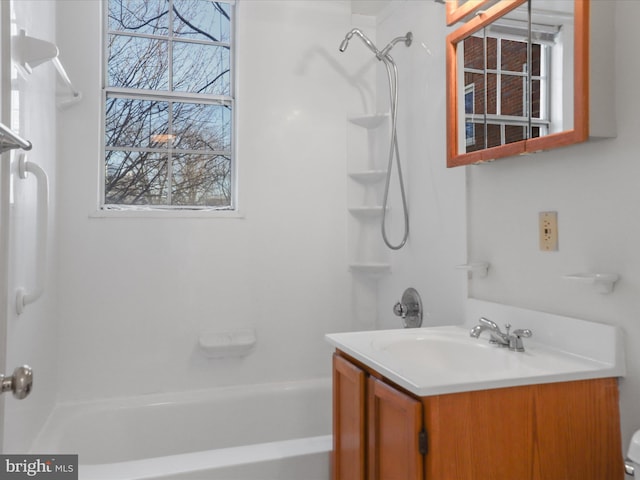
column 32, row 336
column 436, row 195
column 594, row 189
column 135, row 292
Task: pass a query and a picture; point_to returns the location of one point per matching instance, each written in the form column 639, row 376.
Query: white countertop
column 440, row 360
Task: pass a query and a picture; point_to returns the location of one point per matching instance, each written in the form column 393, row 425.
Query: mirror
column 513, row 72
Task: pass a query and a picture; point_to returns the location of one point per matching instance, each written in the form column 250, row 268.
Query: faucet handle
column 526, row 333
column 507, row 327
column 515, row 340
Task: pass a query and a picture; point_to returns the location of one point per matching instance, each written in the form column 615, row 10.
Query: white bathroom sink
column 446, row 359
column 448, row 347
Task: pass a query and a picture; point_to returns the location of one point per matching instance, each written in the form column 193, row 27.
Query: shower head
column 363, row 37
column 343, row 45
column 380, row 55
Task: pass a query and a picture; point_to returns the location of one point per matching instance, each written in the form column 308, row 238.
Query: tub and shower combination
column 279, row 431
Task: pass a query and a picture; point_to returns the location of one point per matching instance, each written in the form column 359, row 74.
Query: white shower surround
column 279, row 268
column 129, row 296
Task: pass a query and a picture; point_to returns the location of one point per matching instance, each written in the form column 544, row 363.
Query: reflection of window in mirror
column 506, row 74
column 553, row 28
column 469, row 110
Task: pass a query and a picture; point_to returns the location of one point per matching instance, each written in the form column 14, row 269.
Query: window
column 168, row 104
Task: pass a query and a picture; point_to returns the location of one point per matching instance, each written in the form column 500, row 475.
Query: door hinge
column 423, row 442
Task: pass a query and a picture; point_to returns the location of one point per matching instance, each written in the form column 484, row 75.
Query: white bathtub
column 277, row 431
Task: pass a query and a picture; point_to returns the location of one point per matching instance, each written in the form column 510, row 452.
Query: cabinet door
column 483, row 435
column 348, row 420
column 578, row 432
column 394, row 426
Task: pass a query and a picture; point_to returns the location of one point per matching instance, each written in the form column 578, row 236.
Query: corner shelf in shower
column 366, row 261
column 369, row 121
column 368, row 177
column 366, row 212
column 370, row 269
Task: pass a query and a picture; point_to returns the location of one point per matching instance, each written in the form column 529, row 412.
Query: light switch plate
column 548, row 228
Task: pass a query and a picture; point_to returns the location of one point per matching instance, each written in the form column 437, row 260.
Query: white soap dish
column 475, row 269
column 233, row 343
column 603, row 282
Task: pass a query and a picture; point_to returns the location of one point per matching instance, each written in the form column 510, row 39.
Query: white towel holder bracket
column 29, row 52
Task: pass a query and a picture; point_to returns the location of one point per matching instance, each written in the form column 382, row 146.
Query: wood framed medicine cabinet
column 552, row 68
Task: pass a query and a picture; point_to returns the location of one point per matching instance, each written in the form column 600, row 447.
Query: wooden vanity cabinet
column 376, row 427
column 349, row 420
column 556, row 431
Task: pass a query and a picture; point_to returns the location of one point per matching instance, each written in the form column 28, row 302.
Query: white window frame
column 163, row 211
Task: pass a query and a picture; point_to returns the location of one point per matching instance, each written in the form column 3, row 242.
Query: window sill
column 158, row 213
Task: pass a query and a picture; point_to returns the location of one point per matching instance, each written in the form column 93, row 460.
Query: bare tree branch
column 159, row 131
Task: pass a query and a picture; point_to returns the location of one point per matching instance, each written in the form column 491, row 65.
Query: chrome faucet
column 497, row 337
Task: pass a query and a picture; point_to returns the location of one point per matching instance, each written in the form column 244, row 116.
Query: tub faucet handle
column 409, row 308
column 400, row 309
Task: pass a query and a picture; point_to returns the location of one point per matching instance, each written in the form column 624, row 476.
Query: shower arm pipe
column 364, row 38
column 380, row 54
column 9, row 140
column 24, row 297
column 384, row 53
